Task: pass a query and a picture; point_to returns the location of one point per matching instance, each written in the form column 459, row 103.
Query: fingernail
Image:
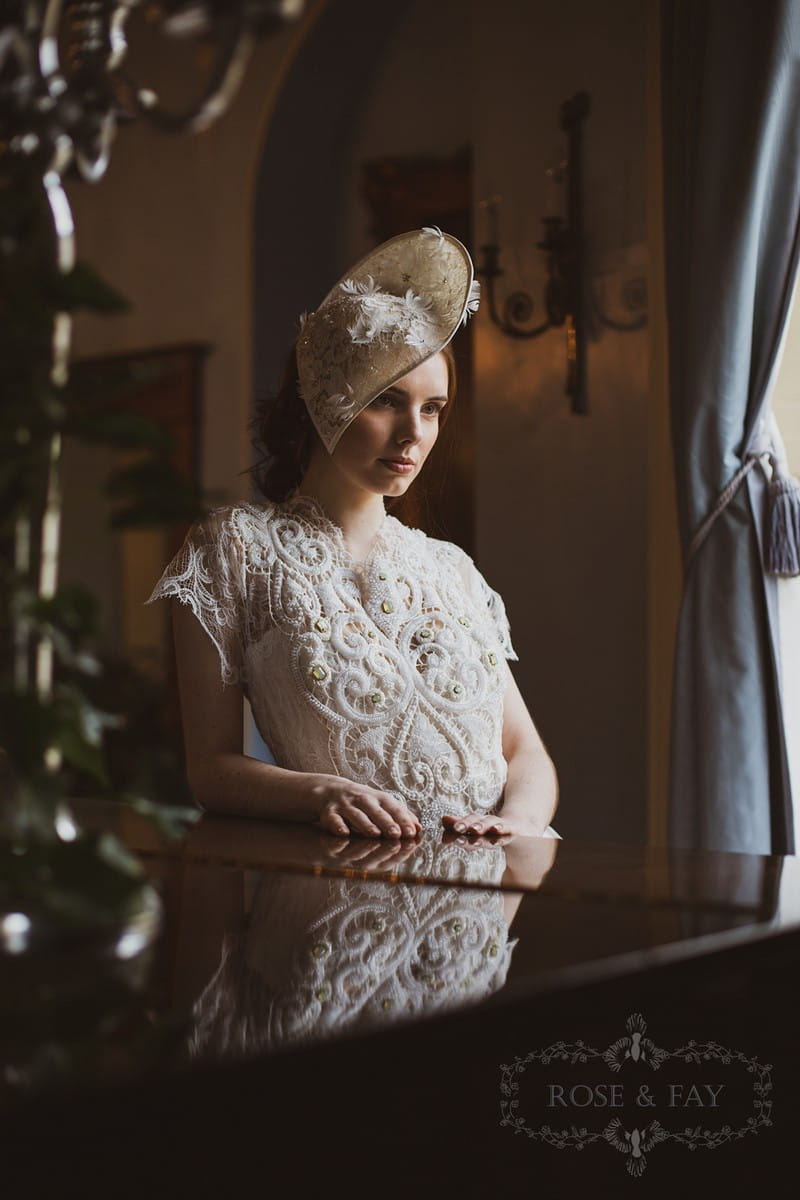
column 460, row 828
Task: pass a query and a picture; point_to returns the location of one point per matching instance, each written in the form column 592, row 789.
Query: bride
column 373, row 656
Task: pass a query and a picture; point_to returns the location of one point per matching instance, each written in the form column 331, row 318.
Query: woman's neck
column 358, row 513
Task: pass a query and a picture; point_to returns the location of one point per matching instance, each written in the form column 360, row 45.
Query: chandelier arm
column 49, row 520
column 94, row 164
column 237, row 47
column 49, row 59
column 117, row 39
column 13, row 43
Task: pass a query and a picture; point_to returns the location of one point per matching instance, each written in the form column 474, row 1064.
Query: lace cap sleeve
column 206, row 575
column 485, row 598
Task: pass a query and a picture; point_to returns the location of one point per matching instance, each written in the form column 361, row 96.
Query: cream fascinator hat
column 397, row 307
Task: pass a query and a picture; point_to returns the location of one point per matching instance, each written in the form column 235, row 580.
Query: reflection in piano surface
column 323, row 956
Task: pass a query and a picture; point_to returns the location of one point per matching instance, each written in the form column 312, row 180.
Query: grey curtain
column 731, row 130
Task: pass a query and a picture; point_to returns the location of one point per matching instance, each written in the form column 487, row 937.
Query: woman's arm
column 225, row 780
column 531, row 791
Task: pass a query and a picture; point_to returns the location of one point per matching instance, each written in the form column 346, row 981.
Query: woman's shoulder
column 240, row 517
column 231, row 537
column 438, row 549
column 449, row 557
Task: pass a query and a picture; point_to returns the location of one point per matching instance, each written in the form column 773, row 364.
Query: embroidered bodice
column 390, row 672
column 319, row 956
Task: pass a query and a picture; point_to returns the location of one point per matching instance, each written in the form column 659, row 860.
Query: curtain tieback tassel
column 782, row 541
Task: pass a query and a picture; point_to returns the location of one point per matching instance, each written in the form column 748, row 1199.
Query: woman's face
column 384, row 448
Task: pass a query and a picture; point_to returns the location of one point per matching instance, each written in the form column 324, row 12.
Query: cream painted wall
column 562, row 498
column 418, row 102
column 663, row 554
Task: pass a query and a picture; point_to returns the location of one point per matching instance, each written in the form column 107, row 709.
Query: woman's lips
column 399, row 468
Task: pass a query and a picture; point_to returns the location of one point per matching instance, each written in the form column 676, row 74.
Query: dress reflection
column 324, row 956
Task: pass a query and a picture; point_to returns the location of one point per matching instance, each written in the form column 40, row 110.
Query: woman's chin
column 396, row 487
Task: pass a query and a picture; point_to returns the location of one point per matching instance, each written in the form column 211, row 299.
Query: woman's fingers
column 475, row 826
column 372, row 818
column 346, row 819
column 408, row 823
column 382, row 815
column 360, row 822
column 394, row 818
column 332, row 822
column 368, row 817
column 375, row 856
column 389, row 816
column 473, row 842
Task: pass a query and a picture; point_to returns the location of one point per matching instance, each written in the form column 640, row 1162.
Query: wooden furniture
column 703, row 947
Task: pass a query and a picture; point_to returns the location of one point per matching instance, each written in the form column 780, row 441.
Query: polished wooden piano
column 437, row 1017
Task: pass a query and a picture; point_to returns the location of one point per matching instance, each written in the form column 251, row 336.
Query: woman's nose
column 409, row 426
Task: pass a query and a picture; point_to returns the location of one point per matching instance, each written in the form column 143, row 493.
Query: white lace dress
column 321, row 956
column 390, row 672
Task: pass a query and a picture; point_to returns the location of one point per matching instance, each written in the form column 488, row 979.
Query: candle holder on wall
column 567, row 299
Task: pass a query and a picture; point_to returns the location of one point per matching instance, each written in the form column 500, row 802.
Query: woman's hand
column 495, row 825
column 528, row 857
column 346, row 808
column 385, row 855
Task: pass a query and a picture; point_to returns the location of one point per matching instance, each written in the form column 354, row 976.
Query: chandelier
column 65, row 85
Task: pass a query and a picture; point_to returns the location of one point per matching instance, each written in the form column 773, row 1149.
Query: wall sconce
column 567, row 298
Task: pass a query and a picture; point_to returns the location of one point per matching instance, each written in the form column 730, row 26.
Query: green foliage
column 83, row 289
column 68, row 619
column 90, row 882
column 67, row 740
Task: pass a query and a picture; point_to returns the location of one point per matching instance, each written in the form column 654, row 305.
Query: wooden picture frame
column 120, row 567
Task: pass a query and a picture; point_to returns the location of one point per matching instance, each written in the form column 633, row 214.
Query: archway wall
column 303, row 197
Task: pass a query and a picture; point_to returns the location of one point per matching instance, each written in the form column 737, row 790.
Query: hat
column 397, row 307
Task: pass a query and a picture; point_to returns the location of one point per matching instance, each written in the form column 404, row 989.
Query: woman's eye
column 385, row 400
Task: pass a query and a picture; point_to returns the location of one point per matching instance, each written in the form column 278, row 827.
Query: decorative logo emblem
column 684, row 1085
